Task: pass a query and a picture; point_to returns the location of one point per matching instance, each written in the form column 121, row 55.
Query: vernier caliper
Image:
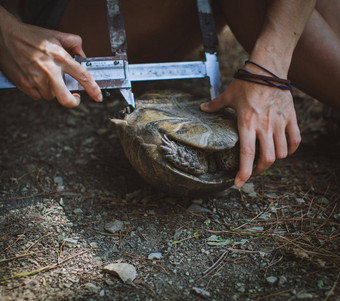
column 116, row 73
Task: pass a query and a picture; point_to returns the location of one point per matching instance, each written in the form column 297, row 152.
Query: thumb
column 214, row 105
column 71, row 42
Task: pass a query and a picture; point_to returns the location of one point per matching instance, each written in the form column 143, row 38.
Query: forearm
column 284, row 23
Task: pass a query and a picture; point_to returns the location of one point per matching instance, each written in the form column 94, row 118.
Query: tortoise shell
column 177, row 147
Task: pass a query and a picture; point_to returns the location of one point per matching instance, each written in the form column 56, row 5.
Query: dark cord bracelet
column 270, row 81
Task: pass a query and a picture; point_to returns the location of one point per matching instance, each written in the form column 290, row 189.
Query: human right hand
column 35, row 59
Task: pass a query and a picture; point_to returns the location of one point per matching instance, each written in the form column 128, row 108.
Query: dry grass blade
column 43, row 269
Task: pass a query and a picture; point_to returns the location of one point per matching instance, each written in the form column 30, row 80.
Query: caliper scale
column 116, row 73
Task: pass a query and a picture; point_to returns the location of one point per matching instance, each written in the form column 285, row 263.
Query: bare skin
column 36, row 58
column 279, row 35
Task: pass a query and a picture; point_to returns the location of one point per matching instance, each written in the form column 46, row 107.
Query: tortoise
column 178, row 148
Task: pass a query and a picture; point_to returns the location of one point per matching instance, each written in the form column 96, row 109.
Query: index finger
column 79, row 72
column 247, row 155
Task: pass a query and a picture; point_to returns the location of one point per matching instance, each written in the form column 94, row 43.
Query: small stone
column 323, row 200
column 125, row 271
column 252, row 194
column 58, row 181
column 70, row 242
column 102, row 293
column 109, row 282
column 114, row 226
column 78, row 211
column 305, row 296
column 282, row 280
column 300, row 200
column 248, row 188
column 271, row 279
column 337, row 216
column 201, row 292
column 155, row 256
column 255, row 229
column 93, row 245
column 198, row 208
column 197, row 201
column 91, row 287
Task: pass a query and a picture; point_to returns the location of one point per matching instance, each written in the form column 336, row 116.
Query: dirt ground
column 64, row 178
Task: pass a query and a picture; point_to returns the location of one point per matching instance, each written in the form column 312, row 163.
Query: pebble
column 197, row 201
column 155, row 256
column 198, row 208
column 282, row 280
column 201, row 292
column 114, row 226
column 271, row 279
column 58, row 181
column 337, row 216
column 125, row 271
column 70, row 242
column 248, row 188
column 78, row 211
column 109, row 282
column 305, row 296
column 300, row 200
column 323, row 200
column 91, row 287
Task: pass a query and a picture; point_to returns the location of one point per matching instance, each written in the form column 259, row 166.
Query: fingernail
column 204, row 105
column 100, row 98
column 238, row 183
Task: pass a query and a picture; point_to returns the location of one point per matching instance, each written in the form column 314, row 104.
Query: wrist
column 272, row 56
column 7, row 23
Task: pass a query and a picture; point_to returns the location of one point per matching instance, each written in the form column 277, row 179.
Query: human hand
column 35, row 59
column 265, row 114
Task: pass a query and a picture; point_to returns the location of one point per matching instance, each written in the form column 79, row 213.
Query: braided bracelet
column 270, row 81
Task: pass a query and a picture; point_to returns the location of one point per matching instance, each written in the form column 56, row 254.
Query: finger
column 280, row 142
column 71, row 42
column 214, row 105
column 84, row 77
column 247, row 154
column 267, row 153
column 63, row 95
column 294, row 136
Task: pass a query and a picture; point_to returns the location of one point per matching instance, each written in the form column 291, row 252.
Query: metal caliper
column 116, row 73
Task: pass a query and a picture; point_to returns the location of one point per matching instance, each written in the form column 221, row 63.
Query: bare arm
column 264, row 113
column 35, row 59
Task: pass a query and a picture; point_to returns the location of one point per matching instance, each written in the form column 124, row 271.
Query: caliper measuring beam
column 116, row 73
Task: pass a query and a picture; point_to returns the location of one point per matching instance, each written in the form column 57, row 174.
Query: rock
column 70, row 242
column 78, row 211
column 197, row 201
column 248, row 188
column 125, row 271
column 271, row 279
column 300, row 200
column 337, row 216
column 198, row 208
column 155, row 256
column 282, row 280
column 109, row 282
column 91, row 287
column 305, row 296
column 323, row 200
column 114, row 226
column 58, row 181
column 201, row 292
